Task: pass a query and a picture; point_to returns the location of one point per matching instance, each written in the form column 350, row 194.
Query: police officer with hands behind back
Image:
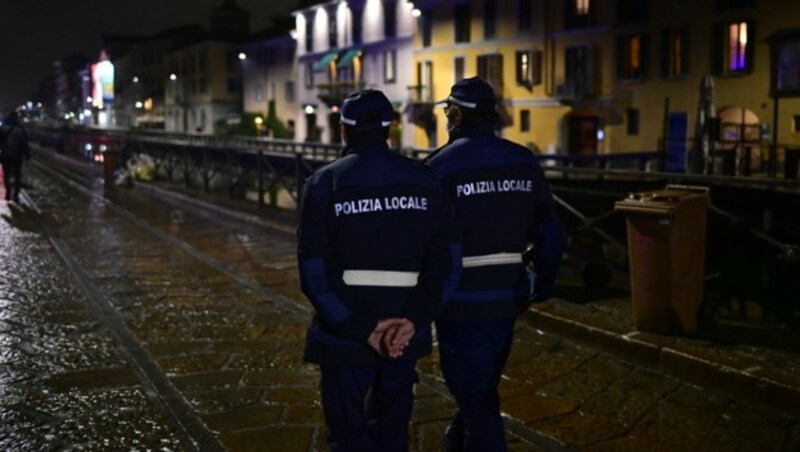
column 379, row 256
column 502, row 204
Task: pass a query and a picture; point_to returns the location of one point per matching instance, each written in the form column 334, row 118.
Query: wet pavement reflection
column 206, row 297
column 63, row 383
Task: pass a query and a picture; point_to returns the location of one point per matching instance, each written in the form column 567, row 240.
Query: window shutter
column 536, row 67
column 750, row 49
column 644, row 56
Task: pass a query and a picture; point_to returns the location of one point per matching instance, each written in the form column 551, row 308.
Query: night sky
column 35, row 33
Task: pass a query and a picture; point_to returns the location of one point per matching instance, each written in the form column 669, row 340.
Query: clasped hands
column 391, row 336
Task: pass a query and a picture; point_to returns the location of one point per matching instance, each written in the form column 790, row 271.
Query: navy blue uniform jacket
column 374, row 210
column 502, row 204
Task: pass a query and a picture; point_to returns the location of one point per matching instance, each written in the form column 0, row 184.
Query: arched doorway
column 740, row 133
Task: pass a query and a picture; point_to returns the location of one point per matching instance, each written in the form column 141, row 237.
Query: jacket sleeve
column 548, row 238
column 441, row 267
column 320, row 271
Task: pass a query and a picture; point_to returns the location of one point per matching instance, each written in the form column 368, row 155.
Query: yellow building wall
column 613, row 96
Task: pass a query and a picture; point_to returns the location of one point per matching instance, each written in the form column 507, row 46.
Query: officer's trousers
column 368, row 408
column 472, row 356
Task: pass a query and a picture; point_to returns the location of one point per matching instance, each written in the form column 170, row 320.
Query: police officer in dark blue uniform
column 379, row 256
column 502, row 205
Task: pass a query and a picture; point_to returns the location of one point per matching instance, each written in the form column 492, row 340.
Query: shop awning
column 324, row 62
column 348, row 58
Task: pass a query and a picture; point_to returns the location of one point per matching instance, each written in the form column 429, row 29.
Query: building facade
column 270, row 81
column 346, row 46
column 139, row 77
column 592, row 77
column 203, row 79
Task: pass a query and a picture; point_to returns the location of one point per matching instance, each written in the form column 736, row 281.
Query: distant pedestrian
column 14, row 146
column 502, row 204
column 378, row 257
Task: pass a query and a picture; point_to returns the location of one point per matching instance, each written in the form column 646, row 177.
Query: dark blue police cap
column 368, row 107
column 472, row 93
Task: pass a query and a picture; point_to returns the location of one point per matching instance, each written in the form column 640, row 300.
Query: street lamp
column 179, row 100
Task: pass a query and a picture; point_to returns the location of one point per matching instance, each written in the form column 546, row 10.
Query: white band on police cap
column 353, row 122
column 461, row 102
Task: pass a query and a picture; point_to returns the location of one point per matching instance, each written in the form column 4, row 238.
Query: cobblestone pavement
column 183, row 329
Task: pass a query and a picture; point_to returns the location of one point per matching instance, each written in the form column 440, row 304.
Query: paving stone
column 630, row 398
column 676, row 424
column 308, row 374
column 214, row 400
column 283, row 438
column 252, row 416
column 304, row 413
column 236, row 355
column 223, row 378
column 428, row 436
column 201, row 362
column 292, row 394
column 432, row 408
column 533, row 407
column 281, row 356
column 694, row 396
column 587, row 380
column 92, row 378
column 582, row 428
column 160, row 347
column 548, row 365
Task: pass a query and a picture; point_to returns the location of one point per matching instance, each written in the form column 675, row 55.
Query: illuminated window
column 528, row 65
column 580, row 14
column 675, row 52
column 632, row 57
column 582, row 7
column 733, row 47
column 737, row 42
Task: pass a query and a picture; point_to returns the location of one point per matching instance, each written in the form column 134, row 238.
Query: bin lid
column 665, row 201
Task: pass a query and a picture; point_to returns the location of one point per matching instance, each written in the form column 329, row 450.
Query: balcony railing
column 334, row 93
column 420, row 94
column 574, row 89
